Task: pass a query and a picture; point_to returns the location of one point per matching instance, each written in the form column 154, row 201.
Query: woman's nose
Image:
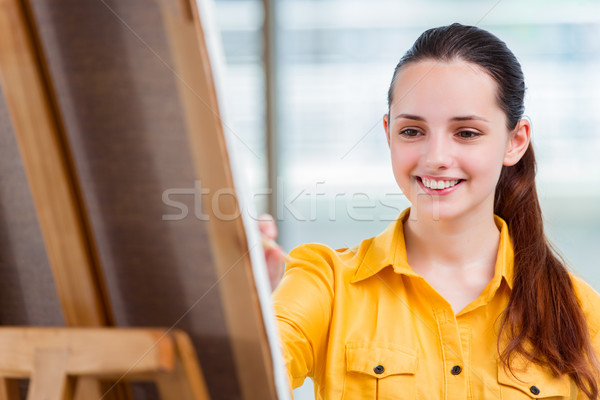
column 437, row 152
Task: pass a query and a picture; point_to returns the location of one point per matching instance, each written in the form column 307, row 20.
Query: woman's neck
column 461, row 242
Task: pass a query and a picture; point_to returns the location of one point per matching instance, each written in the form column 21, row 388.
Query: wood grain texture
column 46, row 164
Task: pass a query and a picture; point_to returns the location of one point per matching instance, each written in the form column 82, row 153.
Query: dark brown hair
column 543, row 320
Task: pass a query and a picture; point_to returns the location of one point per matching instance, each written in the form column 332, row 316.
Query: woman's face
column 448, row 138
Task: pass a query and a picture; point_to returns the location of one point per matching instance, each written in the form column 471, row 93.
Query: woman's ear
column 518, row 143
column 386, row 127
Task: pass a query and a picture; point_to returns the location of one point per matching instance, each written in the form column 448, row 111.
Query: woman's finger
column 267, row 226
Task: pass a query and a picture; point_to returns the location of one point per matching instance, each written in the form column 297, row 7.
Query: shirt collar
column 389, row 249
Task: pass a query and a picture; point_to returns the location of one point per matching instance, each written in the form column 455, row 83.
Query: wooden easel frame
column 55, row 359
column 46, row 159
column 61, row 212
column 198, row 94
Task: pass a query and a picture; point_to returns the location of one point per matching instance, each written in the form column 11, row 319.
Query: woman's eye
column 468, row 134
column 410, row 132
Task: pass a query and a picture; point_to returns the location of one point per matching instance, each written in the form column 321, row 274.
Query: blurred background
column 306, row 85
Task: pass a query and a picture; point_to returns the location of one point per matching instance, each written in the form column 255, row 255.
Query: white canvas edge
column 207, row 15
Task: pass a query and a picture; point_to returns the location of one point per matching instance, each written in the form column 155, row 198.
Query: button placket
column 452, row 352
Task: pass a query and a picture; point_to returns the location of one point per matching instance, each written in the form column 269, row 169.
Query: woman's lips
column 439, row 183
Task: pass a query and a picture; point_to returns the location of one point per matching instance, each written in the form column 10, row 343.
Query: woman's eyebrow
column 469, row 118
column 409, row 116
column 459, row 118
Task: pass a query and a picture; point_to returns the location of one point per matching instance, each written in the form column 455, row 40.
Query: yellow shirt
column 363, row 325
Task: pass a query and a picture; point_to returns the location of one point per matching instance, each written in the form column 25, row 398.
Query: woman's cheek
column 478, row 168
column 404, row 163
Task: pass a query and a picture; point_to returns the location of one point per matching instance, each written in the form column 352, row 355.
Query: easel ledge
column 70, row 363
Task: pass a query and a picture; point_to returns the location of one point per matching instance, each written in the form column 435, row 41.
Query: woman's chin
column 434, row 211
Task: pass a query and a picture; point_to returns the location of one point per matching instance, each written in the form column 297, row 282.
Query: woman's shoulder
column 321, row 253
column 376, row 252
column 589, row 299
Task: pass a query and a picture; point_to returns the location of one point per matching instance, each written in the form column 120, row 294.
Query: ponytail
column 543, row 312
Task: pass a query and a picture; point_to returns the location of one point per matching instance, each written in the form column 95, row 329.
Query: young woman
column 462, row 297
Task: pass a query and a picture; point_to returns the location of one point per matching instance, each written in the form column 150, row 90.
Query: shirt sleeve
column 303, row 302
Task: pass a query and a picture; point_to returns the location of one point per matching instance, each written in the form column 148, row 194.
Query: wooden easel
column 96, row 281
column 57, row 359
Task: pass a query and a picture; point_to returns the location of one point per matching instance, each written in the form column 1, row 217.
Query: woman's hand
column 274, row 254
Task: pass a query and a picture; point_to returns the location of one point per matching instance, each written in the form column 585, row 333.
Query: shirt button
column 456, row 370
column 379, row 369
column 534, row 390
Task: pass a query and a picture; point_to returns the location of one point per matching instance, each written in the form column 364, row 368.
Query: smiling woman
column 462, row 295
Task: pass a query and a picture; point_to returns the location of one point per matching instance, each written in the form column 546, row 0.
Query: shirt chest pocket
column 380, row 371
column 533, row 382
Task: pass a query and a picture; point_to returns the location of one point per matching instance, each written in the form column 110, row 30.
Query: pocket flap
column 380, row 360
column 534, row 380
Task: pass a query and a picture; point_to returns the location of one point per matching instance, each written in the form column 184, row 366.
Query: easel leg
column 9, row 389
column 49, row 380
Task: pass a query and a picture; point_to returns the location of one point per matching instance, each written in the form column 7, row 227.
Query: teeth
column 433, row 184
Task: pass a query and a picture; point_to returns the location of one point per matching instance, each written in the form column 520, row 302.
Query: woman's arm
column 302, row 300
column 303, row 307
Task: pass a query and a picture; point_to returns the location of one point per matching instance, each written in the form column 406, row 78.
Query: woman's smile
column 438, row 186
